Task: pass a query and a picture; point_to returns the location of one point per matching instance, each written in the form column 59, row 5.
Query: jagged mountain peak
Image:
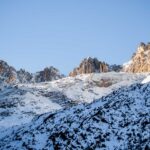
column 24, row 76
column 48, row 74
column 90, row 59
column 90, row 65
column 3, row 62
column 140, row 61
column 9, row 74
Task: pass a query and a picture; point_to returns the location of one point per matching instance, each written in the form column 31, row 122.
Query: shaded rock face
column 140, row 61
column 116, row 68
column 7, row 73
column 90, row 65
column 48, row 74
column 119, row 121
column 24, row 76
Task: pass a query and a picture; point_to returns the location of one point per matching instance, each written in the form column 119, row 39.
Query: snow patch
column 146, row 80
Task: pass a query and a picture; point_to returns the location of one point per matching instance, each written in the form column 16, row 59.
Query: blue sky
column 38, row 33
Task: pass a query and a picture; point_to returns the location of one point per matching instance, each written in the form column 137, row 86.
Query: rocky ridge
column 48, row 74
column 7, row 73
column 24, row 76
column 90, row 65
column 10, row 75
column 140, row 61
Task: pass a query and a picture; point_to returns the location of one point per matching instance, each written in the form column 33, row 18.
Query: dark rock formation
column 116, row 68
column 9, row 75
column 24, row 76
column 48, row 74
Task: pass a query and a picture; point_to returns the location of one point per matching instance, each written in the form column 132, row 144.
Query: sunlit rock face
column 140, row 61
column 90, row 65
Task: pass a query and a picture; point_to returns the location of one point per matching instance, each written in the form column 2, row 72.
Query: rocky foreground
column 118, row 121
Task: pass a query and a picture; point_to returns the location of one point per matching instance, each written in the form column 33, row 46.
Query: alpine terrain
column 97, row 106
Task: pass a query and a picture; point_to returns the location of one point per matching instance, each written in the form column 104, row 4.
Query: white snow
column 117, row 121
column 29, row 106
column 146, row 80
column 127, row 64
column 86, row 88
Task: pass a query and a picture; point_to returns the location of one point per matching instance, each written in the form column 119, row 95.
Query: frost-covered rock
column 24, row 76
column 48, row 74
column 116, row 68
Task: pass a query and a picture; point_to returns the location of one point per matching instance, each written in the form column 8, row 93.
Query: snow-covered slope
column 146, row 80
column 20, row 103
column 86, row 88
column 119, row 121
column 18, row 106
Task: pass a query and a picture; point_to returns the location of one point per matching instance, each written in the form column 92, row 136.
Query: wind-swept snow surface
column 119, row 121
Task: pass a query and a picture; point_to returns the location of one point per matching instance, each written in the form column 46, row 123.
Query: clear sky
column 38, row 33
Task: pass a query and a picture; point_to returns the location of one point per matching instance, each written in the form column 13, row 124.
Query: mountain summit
column 140, row 61
column 48, row 74
column 9, row 74
column 90, row 65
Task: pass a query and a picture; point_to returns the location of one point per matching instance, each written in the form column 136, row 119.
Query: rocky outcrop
column 7, row 73
column 115, row 68
column 90, row 65
column 48, row 74
column 140, row 61
column 24, row 76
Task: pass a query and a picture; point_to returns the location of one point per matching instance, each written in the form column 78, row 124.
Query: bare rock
column 7, row 73
column 140, row 61
column 48, row 74
column 90, row 65
column 24, row 76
